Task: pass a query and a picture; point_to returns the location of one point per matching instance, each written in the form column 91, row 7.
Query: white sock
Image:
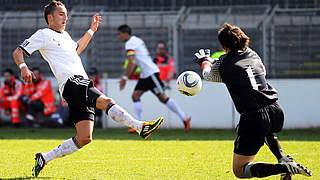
column 67, row 147
column 121, row 116
column 173, row 106
column 138, row 110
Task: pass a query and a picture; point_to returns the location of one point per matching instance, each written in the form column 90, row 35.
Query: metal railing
column 151, row 5
column 286, row 39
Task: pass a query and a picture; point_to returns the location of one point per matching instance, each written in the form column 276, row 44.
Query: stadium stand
column 285, row 40
column 151, row 5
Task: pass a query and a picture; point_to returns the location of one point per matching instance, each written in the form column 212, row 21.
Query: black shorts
column 152, row 83
column 254, row 126
column 76, row 93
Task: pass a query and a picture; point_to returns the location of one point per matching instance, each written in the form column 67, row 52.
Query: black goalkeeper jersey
column 244, row 75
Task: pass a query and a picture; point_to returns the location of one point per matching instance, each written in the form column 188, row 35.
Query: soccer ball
column 189, row 83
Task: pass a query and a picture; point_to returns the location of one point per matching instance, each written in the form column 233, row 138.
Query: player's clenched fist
column 96, row 20
column 27, row 75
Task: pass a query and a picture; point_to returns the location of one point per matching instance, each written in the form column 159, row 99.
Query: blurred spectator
column 39, row 98
column 135, row 74
column 95, row 77
column 10, row 93
column 63, row 111
column 166, row 64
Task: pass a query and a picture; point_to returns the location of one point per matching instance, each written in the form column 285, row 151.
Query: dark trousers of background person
column 33, row 107
column 51, row 120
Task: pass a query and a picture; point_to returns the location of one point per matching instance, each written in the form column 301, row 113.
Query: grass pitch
column 168, row 154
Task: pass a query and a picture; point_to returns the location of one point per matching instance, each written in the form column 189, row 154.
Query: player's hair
column 233, row 38
column 49, row 8
column 125, row 29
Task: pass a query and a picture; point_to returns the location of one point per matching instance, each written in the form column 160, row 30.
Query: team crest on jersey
column 56, row 41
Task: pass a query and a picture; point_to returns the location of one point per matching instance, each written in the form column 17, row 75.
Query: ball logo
column 189, row 83
column 189, row 80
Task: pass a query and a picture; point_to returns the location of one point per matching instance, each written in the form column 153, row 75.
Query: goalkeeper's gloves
column 202, row 56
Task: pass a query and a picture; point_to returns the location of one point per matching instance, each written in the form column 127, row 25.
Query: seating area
column 151, row 5
column 293, row 56
column 290, row 42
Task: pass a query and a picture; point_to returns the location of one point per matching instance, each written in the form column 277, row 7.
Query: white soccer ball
column 189, row 83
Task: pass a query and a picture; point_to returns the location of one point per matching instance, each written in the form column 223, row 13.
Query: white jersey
column 136, row 46
column 59, row 50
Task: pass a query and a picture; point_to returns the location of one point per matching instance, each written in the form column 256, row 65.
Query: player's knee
column 103, row 102
column 238, row 172
column 135, row 97
column 109, row 101
column 164, row 99
column 84, row 141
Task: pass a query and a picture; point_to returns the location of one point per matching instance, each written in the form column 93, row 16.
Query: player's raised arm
column 128, row 71
column 84, row 41
column 209, row 66
column 18, row 57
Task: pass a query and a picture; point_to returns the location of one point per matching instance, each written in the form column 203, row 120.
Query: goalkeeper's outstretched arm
column 210, row 71
column 209, row 66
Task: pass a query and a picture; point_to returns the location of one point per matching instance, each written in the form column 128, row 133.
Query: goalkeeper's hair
column 125, row 29
column 50, row 8
column 233, row 38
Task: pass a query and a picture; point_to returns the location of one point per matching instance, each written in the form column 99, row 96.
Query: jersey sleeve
column 35, row 42
column 130, row 48
column 212, row 74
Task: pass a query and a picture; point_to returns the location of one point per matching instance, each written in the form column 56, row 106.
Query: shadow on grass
column 22, row 178
column 162, row 134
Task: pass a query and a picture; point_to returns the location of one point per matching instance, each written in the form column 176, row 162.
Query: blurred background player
column 10, row 92
column 243, row 73
column 138, row 55
column 62, row 54
column 136, row 73
column 166, row 64
column 39, row 98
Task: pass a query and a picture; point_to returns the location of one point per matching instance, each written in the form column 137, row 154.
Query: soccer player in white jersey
column 138, row 55
column 62, row 55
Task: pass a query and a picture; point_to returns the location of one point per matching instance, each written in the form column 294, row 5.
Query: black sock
column 264, row 169
column 272, row 141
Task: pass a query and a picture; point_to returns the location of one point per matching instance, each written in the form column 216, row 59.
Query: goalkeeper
column 243, row 73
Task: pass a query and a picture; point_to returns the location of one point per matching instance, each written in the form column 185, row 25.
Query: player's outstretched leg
column 174, row 107
column 293, row 167
column 261, row 169
column 120, row 115
column 243, row 167
column 273, row 143
column 149, row 127
column 39, row 164
column 84, row 129
column 41, row 159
